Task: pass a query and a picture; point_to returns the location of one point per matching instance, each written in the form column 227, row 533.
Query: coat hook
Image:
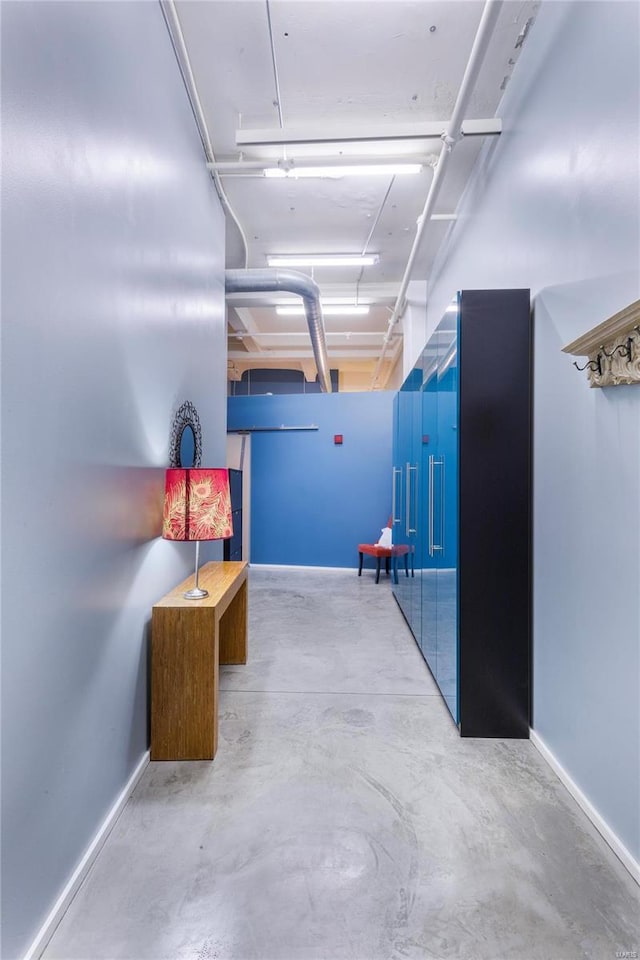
column 625, row 351
column 591, row 364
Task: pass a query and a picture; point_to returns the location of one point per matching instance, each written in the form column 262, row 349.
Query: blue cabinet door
column 396, row 474
column 445, row 512
column 401, row 444
column 425, row 504
column 414, row 507
column 429, row 443
column 406, row 483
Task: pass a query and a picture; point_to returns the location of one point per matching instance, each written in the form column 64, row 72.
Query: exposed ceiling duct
column 270, row 115
column 289, row 281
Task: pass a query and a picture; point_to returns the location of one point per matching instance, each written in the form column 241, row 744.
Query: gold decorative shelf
column 613, row 349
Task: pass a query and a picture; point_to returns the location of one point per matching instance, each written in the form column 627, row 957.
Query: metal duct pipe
column 289, row 281
column 182, row 56
column 480, row 44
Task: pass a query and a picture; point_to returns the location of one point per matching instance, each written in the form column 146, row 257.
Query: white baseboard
column 597, row 820
column 299, row 566
column 62, row 903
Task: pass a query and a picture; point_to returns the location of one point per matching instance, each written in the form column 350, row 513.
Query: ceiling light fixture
column 336, row 172
column 323, row 260
column 346, row 301
column 333, row 310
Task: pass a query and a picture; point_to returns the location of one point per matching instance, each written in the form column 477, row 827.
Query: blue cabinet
column 462, row 467
column 427, row 640
column 445, row 511
column 406, row 495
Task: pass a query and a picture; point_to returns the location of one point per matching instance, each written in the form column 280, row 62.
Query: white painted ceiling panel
column 348, row 64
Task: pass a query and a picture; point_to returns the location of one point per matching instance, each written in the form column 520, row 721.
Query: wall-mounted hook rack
column 590, row 365
column 613, row 349
column 623, row 349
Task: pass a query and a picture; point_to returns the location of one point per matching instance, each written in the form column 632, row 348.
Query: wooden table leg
column 184, row 701
column 233, row 629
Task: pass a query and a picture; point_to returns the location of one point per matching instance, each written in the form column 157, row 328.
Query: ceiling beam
column 236, row 368
column 428, row 130
column 244, row 327
column 301, row 334
column 335, row 353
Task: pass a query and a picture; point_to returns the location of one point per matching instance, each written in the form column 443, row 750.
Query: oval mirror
column 187, row 447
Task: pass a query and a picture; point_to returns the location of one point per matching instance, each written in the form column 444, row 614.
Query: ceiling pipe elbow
column 289, row 281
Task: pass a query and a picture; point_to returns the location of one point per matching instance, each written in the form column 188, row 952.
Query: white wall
column 556, row 208
column 414, row 326
column 112, row 315
column 395, row 379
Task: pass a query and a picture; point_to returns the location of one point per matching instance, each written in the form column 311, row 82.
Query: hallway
column 343, row 817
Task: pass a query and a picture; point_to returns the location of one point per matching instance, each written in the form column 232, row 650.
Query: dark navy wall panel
column 312, row 502
column 254, row 383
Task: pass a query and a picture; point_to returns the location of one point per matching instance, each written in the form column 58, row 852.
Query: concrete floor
column 343, row 817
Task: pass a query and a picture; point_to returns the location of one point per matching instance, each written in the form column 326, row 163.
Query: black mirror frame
column 186, row 416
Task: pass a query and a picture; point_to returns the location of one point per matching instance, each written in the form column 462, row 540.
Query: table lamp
column 197, row 506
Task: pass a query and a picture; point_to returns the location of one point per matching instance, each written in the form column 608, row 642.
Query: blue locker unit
column 428, row 446
column 406, row 495
column 445, row 512
column 462, row 478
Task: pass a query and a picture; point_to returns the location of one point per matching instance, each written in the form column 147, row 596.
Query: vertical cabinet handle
column 410, row 470
column 430, row 520
column 433, row 546
column 408, row 501
column 394, row 494
column 442, row 505
column 408, row 528
column 438, row 546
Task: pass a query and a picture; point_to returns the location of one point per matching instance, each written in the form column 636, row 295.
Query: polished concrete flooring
column 343, row 817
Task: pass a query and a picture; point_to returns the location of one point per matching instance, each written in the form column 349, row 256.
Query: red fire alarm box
column 337, row 438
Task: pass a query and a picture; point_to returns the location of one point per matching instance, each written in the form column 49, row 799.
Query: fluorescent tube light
column 346, row 301
column 335, row 172
column 323, row 260
column 329, row 310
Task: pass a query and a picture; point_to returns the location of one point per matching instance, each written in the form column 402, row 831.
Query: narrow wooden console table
column 189, row 638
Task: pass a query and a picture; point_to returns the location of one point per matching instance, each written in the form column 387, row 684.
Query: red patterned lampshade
column 197, row 505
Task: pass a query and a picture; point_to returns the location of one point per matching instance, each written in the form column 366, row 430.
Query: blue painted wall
column 112, row 315
column 555, row 207
column 312, row 502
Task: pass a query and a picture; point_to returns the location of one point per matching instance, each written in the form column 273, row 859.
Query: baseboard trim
column 596, row 819
column 299, row 566
column 61, row 905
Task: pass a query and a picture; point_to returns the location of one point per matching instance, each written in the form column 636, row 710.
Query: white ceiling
column 345, row 65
